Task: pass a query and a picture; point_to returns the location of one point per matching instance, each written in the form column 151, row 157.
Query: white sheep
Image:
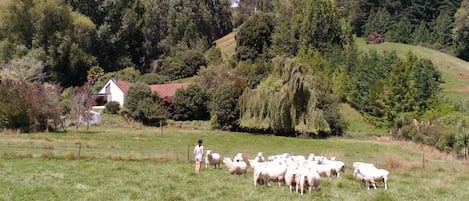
column 212, row 159
column 259, row 157
column 322, row 169
column 337, row 166
column 238, row 157
column 238, row 168
column 269, row 171
column 292, row 177
column 371, row 175
column 310, row 178
column 356, row 165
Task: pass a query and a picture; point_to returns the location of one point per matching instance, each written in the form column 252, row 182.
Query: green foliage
column 190, row 104
column 400, row 32
column 379, row 21
column 284, row 40
column 213, row 56
column 253, row 73
column 183, row 64
column 224, row 107
column 291, row 100
column 144, row 105
column 442, row 31
column 212, row 77
column 153, row 78
column 366, row 81
column 318, row 24
column 112, row 107
column 28, row 106
column 13, row 108
column 462, row 139
column 52, row 27
column 254, row 37
column 421, row 34
column 461, row 30
column 410, row 86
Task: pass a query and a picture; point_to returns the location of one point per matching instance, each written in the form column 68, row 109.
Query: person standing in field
column 199, row 155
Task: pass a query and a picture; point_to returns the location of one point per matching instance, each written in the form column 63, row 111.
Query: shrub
column 153, row 78
column 144, row 105
column 190, row 104
column 112, row 107
column 224, row 106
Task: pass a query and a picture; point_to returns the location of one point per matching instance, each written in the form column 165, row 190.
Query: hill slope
column 455, row 72
column 227, row 45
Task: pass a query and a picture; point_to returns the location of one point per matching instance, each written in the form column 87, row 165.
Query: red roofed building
column 167, row 91
column 114, row 90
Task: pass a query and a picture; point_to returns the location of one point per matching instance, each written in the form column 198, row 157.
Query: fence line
column 79, row 151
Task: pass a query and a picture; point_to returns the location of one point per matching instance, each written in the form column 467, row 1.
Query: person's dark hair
column 199, row 141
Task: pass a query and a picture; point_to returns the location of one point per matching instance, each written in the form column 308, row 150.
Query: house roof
column 123, row 85
column 167, row 91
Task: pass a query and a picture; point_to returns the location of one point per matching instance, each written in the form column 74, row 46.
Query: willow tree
column 289, row 101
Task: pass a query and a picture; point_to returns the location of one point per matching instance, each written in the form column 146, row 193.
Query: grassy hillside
column 138, row 163
column 356, row 124
column 455, row 71
column 227, row 45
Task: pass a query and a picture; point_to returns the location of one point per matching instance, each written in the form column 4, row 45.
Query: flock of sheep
column 296, row 171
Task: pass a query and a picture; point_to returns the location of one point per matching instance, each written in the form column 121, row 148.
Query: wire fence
column 81, row 151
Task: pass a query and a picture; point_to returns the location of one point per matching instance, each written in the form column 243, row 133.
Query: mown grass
column 160, row 168
column 227, row 45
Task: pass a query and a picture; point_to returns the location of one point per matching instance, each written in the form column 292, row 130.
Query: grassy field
column 140, row 163
column 227, row 45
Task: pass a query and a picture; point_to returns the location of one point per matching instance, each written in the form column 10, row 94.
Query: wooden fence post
column 423, row 160
column 79, row 150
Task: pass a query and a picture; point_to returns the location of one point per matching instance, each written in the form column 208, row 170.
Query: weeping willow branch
column 287, row 100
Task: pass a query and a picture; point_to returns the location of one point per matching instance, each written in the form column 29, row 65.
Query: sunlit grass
column 142, row 164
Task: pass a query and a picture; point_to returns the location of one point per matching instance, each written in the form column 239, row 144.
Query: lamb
column 371, row 175
column 238, row 168
column 212, row 159
column 238, row 157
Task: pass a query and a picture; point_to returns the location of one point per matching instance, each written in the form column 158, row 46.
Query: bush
column 144, row 105
column 224, row 106
column 153, row 78
column 190, row 104
column 112, row 107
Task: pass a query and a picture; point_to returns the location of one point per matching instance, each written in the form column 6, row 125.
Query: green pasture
column 140, row 163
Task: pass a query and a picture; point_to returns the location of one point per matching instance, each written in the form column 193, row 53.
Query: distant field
column 454, row 70
column 140, row 163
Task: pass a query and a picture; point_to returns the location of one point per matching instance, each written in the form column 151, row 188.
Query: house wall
column 116, row 93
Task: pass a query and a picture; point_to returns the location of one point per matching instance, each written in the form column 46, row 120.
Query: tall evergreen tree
column 461, row 34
